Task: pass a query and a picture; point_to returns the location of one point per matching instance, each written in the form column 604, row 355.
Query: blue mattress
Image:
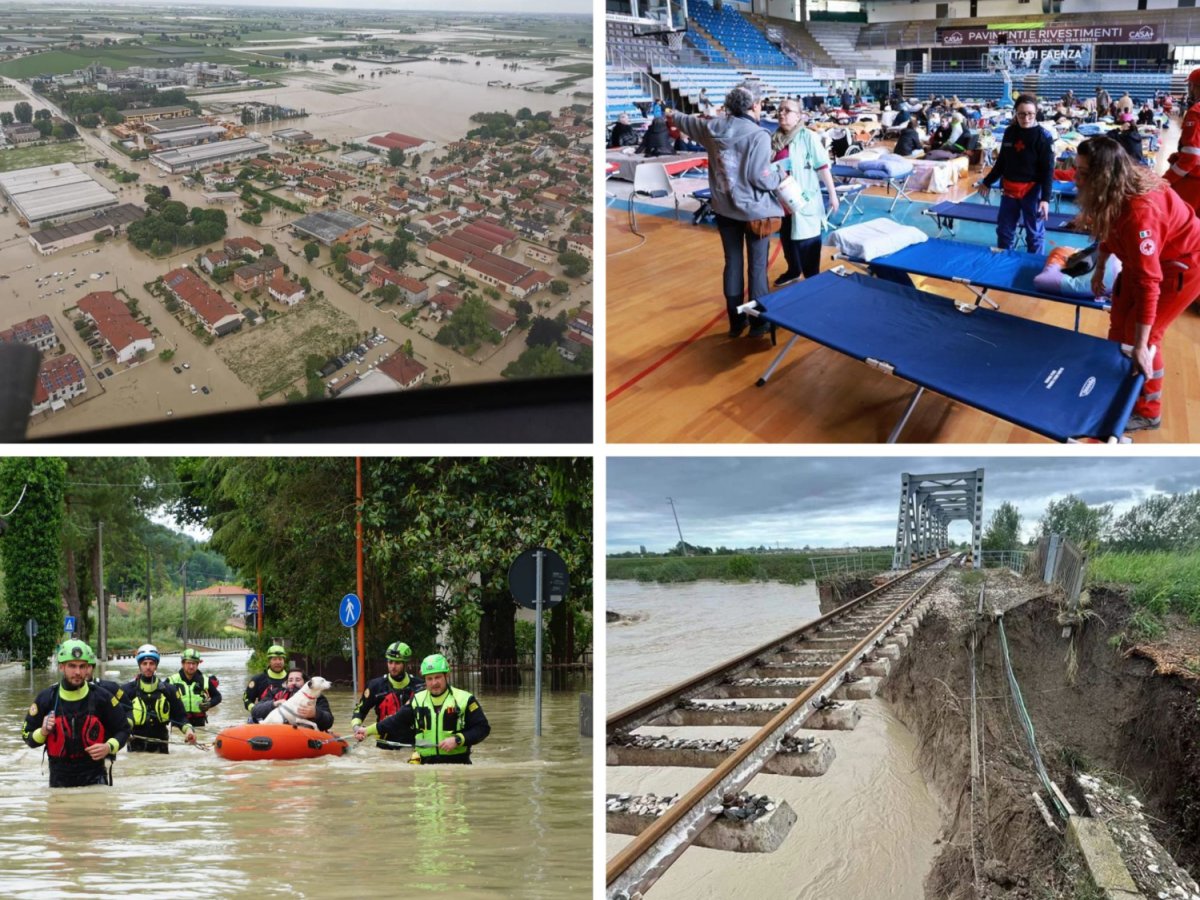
column 1054, row 382
column 981, row 212
column 1000, row 270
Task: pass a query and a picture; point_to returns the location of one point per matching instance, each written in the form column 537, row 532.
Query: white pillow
column 878, row 237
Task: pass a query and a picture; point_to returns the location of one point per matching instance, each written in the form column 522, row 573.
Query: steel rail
column 638, row 865
column 665, row 700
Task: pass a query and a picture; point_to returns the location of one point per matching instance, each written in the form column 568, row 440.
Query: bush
column 743, row 568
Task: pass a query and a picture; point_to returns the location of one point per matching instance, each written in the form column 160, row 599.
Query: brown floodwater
column 866, row 828
column 517, row 823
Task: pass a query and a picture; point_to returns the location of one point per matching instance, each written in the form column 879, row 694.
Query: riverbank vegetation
column 789, row 568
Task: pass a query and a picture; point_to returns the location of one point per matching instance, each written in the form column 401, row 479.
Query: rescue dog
column 287, row 712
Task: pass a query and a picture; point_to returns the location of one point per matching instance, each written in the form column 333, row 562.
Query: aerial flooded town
column 204, row 209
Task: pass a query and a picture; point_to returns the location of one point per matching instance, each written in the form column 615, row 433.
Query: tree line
column 1158, row 523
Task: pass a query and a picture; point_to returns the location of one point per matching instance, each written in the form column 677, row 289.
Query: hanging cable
column 24, row 488
column 1026, row 723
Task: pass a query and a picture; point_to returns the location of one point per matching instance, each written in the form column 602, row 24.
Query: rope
column 1026, row 723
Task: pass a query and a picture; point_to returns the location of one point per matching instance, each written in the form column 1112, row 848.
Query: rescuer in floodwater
column 443, row 722
column 79, row 724
column 388, row 693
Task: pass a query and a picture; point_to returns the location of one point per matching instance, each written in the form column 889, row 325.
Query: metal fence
column 850, row 563
column 1016, row 560
column 1057, row 561
column 222, row 643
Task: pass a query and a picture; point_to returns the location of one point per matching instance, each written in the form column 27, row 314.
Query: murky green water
column 518, row 823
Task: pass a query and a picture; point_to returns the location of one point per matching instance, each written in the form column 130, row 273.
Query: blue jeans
column 735, row 234
column 1025, row 210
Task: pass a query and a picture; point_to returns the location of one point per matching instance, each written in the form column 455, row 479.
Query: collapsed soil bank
column 1117, row 718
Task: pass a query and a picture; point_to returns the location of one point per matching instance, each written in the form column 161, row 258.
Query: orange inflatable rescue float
column 259, row 741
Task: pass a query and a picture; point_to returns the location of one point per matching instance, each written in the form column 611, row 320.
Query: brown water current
column 866, row 828
column 517, row 823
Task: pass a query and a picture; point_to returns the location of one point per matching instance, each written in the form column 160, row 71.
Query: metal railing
column 850, row 563
column 1058, row 561
column 224, row 643
column 1017, row 560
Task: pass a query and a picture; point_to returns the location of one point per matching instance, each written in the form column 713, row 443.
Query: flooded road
column 866, row 828
column 515, row 824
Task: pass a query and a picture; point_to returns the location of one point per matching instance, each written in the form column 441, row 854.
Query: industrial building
column 110, row 221
column 204, row 156
column 332, row 227
column 188, row 137
column 56, row 193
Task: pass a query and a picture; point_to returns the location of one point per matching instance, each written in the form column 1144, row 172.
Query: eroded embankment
column 1095, row 707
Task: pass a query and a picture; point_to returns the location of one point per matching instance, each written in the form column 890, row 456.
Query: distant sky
column 837, row 502
column 457, row 6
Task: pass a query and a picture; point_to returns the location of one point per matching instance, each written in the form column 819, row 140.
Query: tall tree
column 1084, row 525
column 1003, row 531
column 30, row 551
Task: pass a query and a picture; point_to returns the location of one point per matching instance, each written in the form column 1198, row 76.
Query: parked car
column 178, row 371
column 205, row 390
column 193, row 387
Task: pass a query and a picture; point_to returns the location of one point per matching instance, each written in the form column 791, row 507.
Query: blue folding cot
column 947, row 212
column 1057, row 383
column 979, row 268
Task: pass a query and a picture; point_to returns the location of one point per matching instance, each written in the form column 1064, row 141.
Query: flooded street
column 515, row 824
column 866, row 828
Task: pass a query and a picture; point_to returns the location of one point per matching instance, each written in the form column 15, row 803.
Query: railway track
column 807, row 679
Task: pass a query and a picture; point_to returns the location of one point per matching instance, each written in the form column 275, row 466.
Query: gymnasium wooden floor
column 673, row 374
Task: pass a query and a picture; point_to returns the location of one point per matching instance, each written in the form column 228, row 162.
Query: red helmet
column 1194, row 79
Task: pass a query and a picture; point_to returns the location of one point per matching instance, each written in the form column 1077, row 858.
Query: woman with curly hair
column 1155, row 234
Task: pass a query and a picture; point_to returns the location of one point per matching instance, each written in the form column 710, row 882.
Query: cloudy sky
column 837, row 502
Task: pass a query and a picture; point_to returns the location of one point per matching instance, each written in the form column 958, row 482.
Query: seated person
column 1128, row 136
column 623, row 134
column 321, row 714
column 657, row 140
column 959, row 137
column 1146, row 114
column 909, row 141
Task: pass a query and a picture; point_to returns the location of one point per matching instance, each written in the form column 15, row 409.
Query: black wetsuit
column 257, row 687
column 385, row 698
column 262, row 709
column 90, row 715
column 152, row 713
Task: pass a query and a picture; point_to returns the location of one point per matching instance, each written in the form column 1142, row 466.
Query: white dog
column 288, row 712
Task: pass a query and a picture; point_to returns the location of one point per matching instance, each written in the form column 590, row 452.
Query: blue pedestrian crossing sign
column 350, row 610
column 251, row 603
column 69, row 624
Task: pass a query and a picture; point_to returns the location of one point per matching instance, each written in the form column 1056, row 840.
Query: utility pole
column 102, row 611
column 682, row 546
column 183, row 569
column 149, row 625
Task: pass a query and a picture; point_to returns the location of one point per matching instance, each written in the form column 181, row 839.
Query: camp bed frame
column 1058, row 383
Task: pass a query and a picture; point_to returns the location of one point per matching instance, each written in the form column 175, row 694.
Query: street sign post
column 251, row 609
column 31, row 627
column 538, row 580
column 349, row 612
column 69, row 624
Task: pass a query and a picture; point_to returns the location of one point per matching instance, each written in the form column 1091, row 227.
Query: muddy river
column 516, row 824
column 866, row 828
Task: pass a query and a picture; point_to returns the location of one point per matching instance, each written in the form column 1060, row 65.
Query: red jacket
column 1157, row 239
column 1186, row 162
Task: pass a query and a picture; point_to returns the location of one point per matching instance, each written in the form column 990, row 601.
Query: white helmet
column 147, row 651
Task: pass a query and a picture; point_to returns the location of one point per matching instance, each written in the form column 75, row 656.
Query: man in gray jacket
column 742, row 178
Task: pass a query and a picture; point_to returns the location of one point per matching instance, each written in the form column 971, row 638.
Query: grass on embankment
column 1161, row 582
column 789, row 568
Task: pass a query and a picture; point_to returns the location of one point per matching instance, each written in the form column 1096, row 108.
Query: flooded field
column 866, row 828
column 515, row 824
